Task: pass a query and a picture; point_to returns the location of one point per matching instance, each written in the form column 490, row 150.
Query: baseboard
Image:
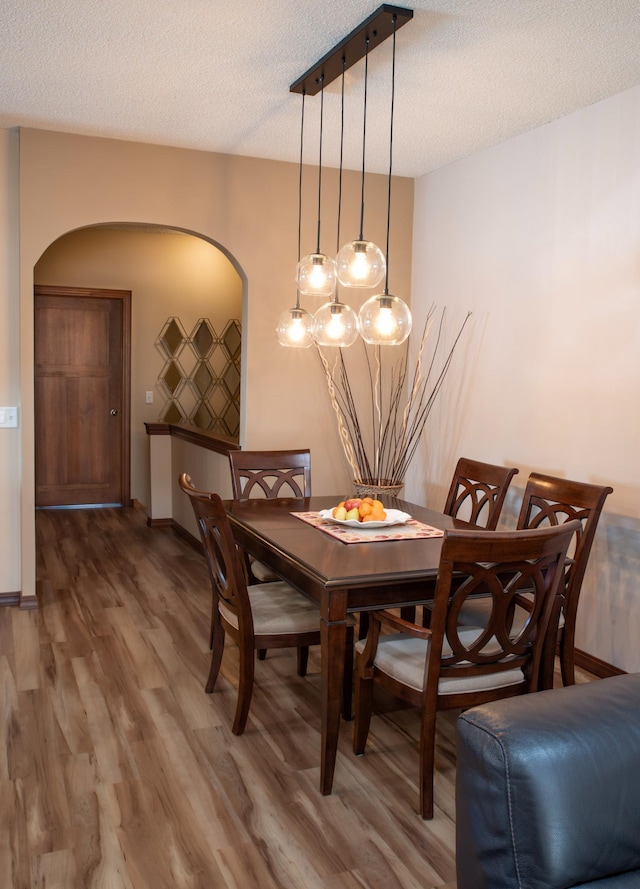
column 9, row 599
column 186, row 536
column 159, row 523
column 594, row 665
column 29, row 603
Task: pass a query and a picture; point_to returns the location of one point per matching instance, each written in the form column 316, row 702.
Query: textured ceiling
column 215, row 76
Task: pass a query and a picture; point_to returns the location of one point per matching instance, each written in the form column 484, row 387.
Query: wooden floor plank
column 117, row 771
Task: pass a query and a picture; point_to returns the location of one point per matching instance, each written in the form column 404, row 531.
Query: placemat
column 411, row 530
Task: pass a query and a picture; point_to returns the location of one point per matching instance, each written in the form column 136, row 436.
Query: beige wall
column 540, row 237
column 10, row 468
column 168, row 274
column 246, row 206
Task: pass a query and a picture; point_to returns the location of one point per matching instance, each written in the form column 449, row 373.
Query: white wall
column 540, row 237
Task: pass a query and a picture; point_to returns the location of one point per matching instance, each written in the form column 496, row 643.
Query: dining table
column 390, row 568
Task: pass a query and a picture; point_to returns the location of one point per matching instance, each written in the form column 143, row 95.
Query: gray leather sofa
column 548, row 789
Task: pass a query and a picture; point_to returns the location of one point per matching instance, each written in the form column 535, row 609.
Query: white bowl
column 394, row 517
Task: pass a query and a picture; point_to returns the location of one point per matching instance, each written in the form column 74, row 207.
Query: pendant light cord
column 320, row 155
column 364, row 133
column 300, row 192
column 344, row 65
column 393, row 90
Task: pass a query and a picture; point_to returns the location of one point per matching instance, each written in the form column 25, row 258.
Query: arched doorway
column 186, row 307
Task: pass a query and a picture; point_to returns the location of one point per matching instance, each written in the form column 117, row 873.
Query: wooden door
column 82, row 396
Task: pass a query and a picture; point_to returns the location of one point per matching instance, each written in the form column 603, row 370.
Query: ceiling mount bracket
column 376, row 29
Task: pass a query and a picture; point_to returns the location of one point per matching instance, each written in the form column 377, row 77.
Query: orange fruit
column 364, row 509
column 377, row 505
column 377, row 515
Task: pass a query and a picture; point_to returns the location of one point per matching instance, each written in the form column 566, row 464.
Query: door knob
column 114, row 411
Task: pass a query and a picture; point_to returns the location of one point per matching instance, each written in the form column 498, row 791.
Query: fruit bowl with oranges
column 364, row 512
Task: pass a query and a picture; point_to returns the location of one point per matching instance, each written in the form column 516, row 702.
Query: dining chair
column 269, row 475
column 448, row 666
column 476, row 496
column 257, row 617
column 550, row 501
column 478, row 491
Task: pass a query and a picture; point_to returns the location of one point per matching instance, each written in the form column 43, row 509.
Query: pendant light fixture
column 316, row 272
column 336, row 324
column 294, row 327
column 385, row 319
column 361, row 263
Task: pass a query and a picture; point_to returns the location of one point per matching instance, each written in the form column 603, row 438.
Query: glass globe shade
column 295, row 328
column 316, row 275
column 335, row 324
column 385, row 320
column 360, row 264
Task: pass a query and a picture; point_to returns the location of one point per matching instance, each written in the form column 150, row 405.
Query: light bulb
column 384, row 320
column 359, row 268
column 335, row 327
column 295, row 328
column 360, row 264
column 316, row 275
column 335, row 324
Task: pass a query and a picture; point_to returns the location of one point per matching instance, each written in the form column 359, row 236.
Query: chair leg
column 548, row 657
column 363, row 709
column 217, row 649
column 262, row 653
column 245, row 690
column 303, row 660
column 213, row 620
column 408, row 612
column 567, row 657
column 347, row 685
column 427, row 748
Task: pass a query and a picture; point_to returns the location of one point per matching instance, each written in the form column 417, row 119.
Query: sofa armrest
column 548, row 787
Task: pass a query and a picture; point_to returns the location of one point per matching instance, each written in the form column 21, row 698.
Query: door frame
column 125, row 296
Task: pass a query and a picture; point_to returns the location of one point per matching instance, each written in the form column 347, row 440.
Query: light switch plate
column 8, row 417
column 148, row 397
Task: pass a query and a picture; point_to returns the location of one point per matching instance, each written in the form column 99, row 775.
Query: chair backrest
column 221, row 553
column 506, row 566
column 270, row 474
column 549, row 501
column 478, row 491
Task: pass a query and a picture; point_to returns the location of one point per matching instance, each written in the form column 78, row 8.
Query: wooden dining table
column 342, row 578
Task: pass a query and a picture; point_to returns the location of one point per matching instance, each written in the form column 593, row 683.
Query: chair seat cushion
column 277, row 609
column 403, row 658
column 261, row 571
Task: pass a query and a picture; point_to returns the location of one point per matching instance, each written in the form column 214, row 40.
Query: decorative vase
column 367, row 488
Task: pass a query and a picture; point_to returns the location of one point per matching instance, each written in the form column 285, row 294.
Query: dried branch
column 396, row 420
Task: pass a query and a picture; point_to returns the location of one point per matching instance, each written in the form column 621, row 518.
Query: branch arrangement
column 380, row 438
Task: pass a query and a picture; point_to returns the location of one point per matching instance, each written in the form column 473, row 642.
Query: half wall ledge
column 202, row 437
column 171, row 451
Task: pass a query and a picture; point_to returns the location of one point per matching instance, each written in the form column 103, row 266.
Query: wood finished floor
column 117, row 770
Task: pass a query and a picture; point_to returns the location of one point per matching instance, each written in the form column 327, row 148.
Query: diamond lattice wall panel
column 200, row 377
